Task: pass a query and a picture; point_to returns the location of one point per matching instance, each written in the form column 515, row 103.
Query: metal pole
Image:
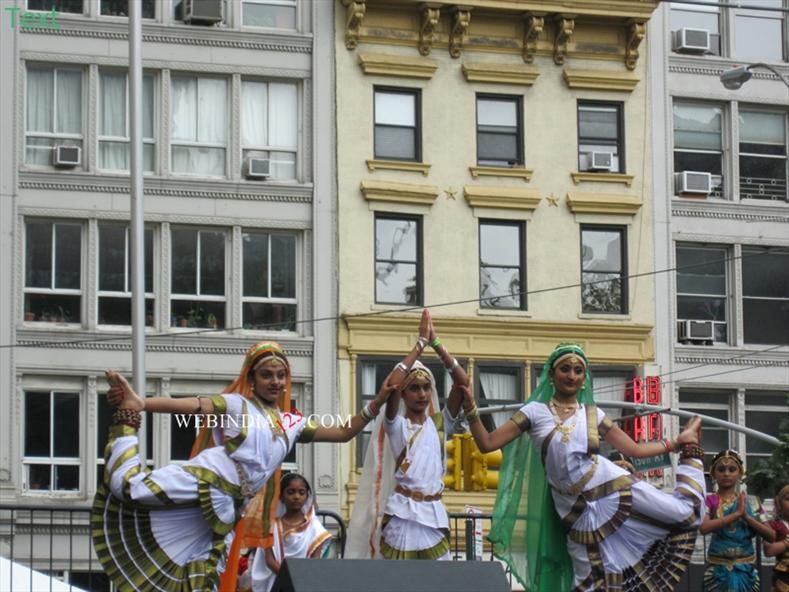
column 771, row 69
column 645, row 409
column 137, row 214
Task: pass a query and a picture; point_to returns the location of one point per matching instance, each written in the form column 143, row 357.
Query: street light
column 734, row 78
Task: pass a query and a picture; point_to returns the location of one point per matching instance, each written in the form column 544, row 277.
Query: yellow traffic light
column 454, row 462
column 478, row 475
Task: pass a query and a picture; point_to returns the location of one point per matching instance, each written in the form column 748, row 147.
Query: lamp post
column 734, row 78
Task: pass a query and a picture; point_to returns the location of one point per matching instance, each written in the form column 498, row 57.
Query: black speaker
column 379, row 575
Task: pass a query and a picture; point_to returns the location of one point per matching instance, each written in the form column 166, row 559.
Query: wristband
column 453, row 365
column 472, row 416
column 421, row 342
column 435, row 343
column 402, row 367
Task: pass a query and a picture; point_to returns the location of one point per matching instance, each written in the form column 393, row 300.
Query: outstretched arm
column 459, row 376
column 121, row 394
column 625, row 444
column 401, row 370
column 486, row 441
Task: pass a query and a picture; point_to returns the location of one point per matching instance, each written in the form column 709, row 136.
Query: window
column 758, row 34
column 698, row 16
column 52, row 432
column 103, row 421
column 269, row 125
column 397, row 124
column 269, row 292
column 114, row 122
column 762, row 155
column 70, row 6
column 698, row 144
column 371, row 374
column 715, row 404
column 764, row 411
column 199, row 128
column 54, row 112
column 115, row 275
column 183, row 431
column 398, row 255
column 600, row 129
column 765, row 295
column 53, row 272
column 279, row 14
column 121, row 8
column 198, row 278
column 603, row 270
column 499, row 131
column 501, row 272
column 701, row 286
column 497, row 384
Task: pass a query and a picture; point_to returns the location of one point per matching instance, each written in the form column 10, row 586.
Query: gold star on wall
column 451, row 192
column 552, row 200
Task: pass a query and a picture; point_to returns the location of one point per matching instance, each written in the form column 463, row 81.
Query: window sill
column 415, row 308
column 603, row 203
column 599, row 316
column 582, row 177
column 504, row 312
column 398, row 165
column 518, row 172
column 406, row 193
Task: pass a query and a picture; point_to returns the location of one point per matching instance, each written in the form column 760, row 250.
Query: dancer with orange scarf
column 170, row 529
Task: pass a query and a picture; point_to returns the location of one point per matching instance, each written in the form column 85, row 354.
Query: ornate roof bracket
column 533, row 26
column 636, row 31
column 565, row 24
column 461, row 17
column 430, row 17
column 354, row 13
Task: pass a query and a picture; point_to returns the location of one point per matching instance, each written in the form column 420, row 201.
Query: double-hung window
column 702, row 287
column 121, row 8
column 398, row 268
column 498, row 384
column 199, row 125
column 269, row 125
column 765, row 295
column 759, row 34
column 198, row 278
column 603, row 270
column 114, row 122
column 104, row 413
column 698, row 141
column 601, row 132
column 70, row 6
column 269, row 281
column 276, row 14
column 698, row 16
column 53, row 272
column 764, row 412
column 762, row 155
column 501, row 264
column 499, row 131
column 397, row 124
column 52, row 441
column 717, row 404
column 54, row 112
column 114, row 287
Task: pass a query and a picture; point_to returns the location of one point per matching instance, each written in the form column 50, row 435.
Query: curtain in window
column 283, row 116
column 199, row 112
column 39, row 100
column 113, row 155
column 69, row 101
column 368, row 380
column 697, row 127
column 254, row 99
column 498, row 386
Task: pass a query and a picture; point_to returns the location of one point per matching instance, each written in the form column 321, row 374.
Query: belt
column 418, row 496
column 730, row 562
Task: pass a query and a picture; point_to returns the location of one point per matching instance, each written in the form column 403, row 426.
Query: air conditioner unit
column 692, row 40
column 66, row 156
column 598, row 161
column 201, row 12
column 257, row 168
column 700, row 332
column 693, row 182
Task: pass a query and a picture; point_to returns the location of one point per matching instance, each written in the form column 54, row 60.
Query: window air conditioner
column 692, row 40
column 257, row 168
column 700, row 332
column 66, row 156
column 693, row 182
column 598, row 161
column 201, row 12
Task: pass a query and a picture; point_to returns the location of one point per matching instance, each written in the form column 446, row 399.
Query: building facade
column 722, row 216
column 494, row 164
column 239, row 223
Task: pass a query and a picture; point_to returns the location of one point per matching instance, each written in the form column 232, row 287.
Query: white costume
column 170, row 529
column 618, row 526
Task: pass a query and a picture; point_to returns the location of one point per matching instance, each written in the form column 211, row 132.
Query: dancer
column 405, row 463
column 621, row 532
column 297, row 533
column 169, row 529
column 780, row 548
column 733, row 519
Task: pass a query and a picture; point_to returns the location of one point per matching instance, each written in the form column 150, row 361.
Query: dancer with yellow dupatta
column 170, row 529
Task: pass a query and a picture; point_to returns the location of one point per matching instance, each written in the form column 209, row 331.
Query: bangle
column 366, row 414
column 402, row 367
column 435, row 343
column 668, row 444
column 453, row 365
column 199, row 406
column 421, row 342
column 692, row 451
column 473, row 415
column 129, row 417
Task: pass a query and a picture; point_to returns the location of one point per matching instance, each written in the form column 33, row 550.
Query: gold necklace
column 564, row 406
column 560, row 427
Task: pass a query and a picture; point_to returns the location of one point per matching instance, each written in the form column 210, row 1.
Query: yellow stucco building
column 494, row 164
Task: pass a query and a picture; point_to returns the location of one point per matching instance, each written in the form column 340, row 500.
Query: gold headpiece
column 727, row 454
column 416, row 374
column 572, row 356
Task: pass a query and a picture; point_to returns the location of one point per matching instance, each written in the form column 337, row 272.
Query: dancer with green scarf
column 565, row 517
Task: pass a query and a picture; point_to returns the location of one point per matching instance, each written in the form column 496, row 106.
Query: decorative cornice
column 719, row 213
column 398, row 165
column 397, row 65
column 500, row 73
column 496, row 196
column 714, row 65
column 516, row 172
column 407, row 193
column 579, row 177
column 600, row 79
column 736, row 360
column 603, row 203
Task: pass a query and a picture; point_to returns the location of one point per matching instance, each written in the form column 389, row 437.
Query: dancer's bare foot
column 121, row 393
column 692, row 432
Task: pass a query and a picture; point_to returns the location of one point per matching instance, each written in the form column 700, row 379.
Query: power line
column 727, row 5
